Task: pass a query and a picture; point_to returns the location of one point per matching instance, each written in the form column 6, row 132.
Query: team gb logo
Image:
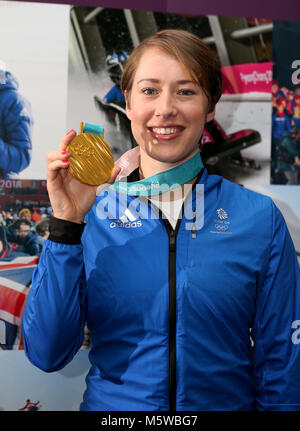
column 222, row 214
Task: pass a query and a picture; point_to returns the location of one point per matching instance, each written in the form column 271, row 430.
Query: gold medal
column 91, row 159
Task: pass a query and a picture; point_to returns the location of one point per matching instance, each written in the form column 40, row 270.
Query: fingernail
column 72, row 130
column 65, row 161
column 65, row 152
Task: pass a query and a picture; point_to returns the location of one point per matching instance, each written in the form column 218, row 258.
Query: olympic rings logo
column 221, row 227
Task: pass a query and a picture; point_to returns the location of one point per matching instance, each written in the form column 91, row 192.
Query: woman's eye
column 186, row 92
column 149, row 91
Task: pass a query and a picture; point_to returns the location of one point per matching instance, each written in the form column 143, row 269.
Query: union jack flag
column 15, row 282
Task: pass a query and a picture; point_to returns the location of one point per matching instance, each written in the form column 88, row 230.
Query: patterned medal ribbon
column 163, row 181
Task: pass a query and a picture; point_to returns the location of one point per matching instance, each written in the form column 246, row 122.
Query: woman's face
column 167, row 110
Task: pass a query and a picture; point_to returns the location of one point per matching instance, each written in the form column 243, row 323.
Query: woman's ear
column 128, row 111
column 211, row 115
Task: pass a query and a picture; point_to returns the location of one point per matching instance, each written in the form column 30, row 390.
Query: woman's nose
column 165, row 106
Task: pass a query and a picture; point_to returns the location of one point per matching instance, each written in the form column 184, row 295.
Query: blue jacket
column 297, row 122
column 115, row 94
column 15, row 128
column 169, row 311
column 280, row 124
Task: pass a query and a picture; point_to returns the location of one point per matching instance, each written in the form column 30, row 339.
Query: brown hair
column 201, row 62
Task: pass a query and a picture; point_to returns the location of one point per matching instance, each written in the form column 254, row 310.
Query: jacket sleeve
column 288, row 124
column 111, row 95
column 31, row 245
column 55, row 312
column 273, row 122
column 15, row 146
column 276, row 350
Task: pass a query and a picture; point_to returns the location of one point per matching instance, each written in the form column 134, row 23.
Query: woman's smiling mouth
column 166, row 133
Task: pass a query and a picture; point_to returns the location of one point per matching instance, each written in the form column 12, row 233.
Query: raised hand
column 70, row 199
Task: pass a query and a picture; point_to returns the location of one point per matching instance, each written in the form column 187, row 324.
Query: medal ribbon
column 163, row 181
column 94, row 129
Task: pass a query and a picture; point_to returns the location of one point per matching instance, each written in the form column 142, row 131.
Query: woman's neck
column 150, row 166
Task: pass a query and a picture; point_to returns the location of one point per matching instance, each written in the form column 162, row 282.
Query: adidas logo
column 128, row 225
column 126, row 221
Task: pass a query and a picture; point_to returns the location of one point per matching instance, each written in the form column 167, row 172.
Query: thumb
column 115, row 172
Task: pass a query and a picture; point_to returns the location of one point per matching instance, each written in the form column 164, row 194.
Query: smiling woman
column 171, row 268
column 167, row 111
column 171, row 83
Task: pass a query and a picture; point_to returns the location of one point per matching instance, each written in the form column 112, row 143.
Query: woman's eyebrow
column 149, row 80
column 155, row 81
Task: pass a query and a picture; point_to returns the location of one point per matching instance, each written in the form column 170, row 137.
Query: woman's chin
column 168, row 153
column 167, row 156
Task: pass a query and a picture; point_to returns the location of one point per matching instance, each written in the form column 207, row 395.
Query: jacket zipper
column 172, row 320
column 194, row 231
column 172, row 300
column 172, row 313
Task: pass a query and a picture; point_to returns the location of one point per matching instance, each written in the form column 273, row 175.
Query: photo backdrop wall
column 60, row 63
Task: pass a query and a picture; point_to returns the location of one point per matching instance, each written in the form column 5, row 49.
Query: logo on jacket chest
column 127, row 221
column 221, row 222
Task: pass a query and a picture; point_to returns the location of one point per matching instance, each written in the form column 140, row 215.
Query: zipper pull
column 172, row 240
column 194, row 234
column 194, row 231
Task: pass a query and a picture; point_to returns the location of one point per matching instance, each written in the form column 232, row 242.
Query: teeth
column 165, row 131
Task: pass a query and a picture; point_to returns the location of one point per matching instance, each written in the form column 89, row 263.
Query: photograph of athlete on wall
column 33, row 84
column 286, row 104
